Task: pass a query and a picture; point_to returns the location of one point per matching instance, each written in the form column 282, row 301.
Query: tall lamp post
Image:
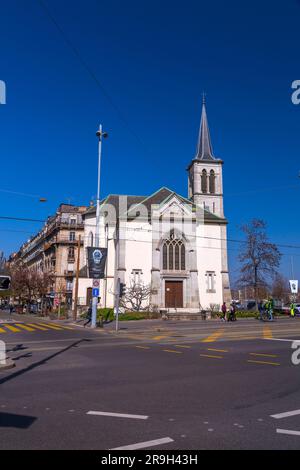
column 100, row 134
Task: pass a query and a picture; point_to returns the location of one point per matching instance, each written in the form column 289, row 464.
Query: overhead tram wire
column 89, row 70
column 230, row 240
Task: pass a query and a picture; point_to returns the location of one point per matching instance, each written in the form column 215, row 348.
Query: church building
column 174, row 245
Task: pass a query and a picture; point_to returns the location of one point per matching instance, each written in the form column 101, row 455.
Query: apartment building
column 54, row 249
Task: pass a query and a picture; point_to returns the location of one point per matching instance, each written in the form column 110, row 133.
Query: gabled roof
column 157, row 198
column 113, row 199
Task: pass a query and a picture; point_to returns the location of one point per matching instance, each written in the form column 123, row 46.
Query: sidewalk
column 5, row 316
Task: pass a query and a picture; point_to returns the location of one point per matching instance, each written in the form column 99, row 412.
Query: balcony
column 70, row 272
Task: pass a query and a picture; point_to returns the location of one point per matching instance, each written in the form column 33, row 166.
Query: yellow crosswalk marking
column 143, row 347
column 62, row 326
column 182, row 346
column 264, row 355
column 212, row 356
column 12, row 328
column 267, row 332
column 24, row 327
column 159, row 337
column 217, row 350
column 265, row 362
column 47, row 325
column 2, row 330
column 213, row 337
column 171, row 351
column 37, row 326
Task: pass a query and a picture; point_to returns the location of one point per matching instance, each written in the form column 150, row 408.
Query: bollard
column 2, row 353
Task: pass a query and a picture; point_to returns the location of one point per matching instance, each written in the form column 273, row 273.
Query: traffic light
column 4, row 282
column 122, row 289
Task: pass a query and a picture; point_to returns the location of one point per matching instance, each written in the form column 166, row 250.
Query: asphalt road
column 193, row 385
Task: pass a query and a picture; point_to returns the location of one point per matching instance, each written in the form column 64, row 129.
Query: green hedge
column 244, row 314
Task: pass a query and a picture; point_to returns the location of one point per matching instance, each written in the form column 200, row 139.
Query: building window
column 173, row 254
column 212, row 185
column 210, row 281
column 72, row 236
column 90, row 239
column 71, row 252
column 73, row 220
column 204, row 181
column 137, row 275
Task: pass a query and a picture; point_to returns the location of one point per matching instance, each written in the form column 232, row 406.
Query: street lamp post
column 100, row 134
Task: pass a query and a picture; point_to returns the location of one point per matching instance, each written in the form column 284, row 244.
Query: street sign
column 96, row 283
column 294, row 286
column 95, row 292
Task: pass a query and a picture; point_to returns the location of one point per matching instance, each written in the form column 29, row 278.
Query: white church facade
column 175, row 245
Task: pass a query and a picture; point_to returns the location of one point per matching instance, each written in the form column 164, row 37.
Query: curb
column 9, row 365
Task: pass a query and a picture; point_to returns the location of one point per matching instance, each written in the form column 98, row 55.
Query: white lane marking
column 288, row 431
column 280, row 339
column 286, row 414
column 116, row 415
column 143, row 445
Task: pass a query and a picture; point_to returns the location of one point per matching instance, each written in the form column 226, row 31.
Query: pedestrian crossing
column 31, row 327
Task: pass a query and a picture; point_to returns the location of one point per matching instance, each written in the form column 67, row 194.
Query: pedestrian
column 231, row 316
column 292, row 310
column 261, row 309
column 270, row 308
column 224, row 310
column 11, row 307
column 89, row 316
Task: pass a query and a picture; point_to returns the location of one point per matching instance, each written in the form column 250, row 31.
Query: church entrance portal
column 173, row 294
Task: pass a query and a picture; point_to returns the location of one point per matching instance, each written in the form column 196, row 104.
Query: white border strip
column 116, row 415
column 143, row 445
column 286, row 415
column 281, row 339
column 288, row 431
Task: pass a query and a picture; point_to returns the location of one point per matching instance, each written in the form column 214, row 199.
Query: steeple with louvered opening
column 205, row 172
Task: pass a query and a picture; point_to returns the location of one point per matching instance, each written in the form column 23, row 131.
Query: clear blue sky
column 152, row 59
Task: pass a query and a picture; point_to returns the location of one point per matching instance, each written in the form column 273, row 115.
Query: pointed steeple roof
column 204, row 147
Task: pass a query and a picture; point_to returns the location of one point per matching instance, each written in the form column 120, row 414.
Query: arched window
column 204, row 181
column 91, row 239
column 212, row 185
column 173, row 254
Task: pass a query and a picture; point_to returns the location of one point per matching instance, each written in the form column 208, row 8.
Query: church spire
column 204, row 148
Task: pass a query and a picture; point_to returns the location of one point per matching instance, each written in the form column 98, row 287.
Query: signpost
column 294, row 289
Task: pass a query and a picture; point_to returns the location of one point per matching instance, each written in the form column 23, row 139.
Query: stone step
column 186, row 316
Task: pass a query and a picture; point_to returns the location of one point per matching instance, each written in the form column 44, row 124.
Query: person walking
column 292, row 310
column 224, row 311
column 270, row 308
column 261, row 309
column 231, row 316
column 89, row 316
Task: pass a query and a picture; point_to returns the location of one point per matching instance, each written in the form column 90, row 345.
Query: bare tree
column 259, row 257
column 137, row 297
column 280, row 288
column 28, row 284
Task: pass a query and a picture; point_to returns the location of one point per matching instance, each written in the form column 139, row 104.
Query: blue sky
column 152, row 60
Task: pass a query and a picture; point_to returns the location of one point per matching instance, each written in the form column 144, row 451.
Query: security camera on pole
column 97, row 256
